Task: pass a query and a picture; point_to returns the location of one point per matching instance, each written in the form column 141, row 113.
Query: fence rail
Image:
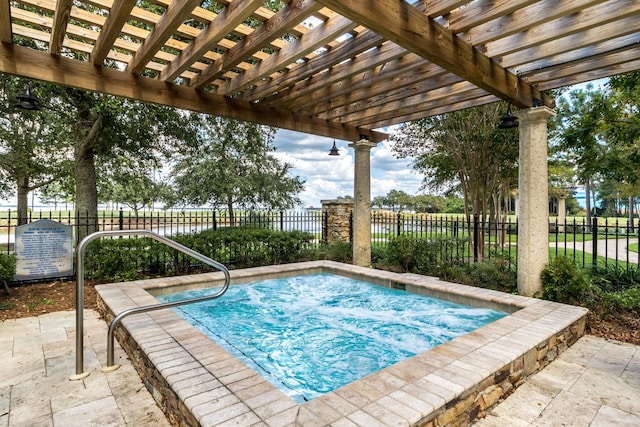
column 604, row 242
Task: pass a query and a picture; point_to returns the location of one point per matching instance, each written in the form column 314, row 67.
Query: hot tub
column 197, row 382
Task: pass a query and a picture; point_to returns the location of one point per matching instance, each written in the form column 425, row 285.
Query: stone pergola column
column 562, row 210
column 362, row 207
column 533, row 200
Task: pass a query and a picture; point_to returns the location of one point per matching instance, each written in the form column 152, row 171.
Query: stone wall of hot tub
column 477, row 402
column 160, row 389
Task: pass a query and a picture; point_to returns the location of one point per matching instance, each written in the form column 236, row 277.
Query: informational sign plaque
column 43, row 250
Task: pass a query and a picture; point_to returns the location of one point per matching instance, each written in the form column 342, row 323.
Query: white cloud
column 328, row 177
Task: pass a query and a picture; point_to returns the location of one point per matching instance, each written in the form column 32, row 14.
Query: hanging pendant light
column 508, row 120
column 334, row 150
column 27, row 101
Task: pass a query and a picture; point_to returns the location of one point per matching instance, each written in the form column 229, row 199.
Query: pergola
column 337, row 68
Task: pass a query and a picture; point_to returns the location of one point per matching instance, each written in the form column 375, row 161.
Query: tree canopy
column 234, row 166
column 463, row 151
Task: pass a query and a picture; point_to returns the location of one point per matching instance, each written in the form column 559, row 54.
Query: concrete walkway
column 614, row 249
column 594, row 383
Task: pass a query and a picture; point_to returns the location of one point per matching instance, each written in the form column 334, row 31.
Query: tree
column 464, row 150
column 106, row 130
column 429, row 203
column 134, row 189
column 577, row 132
column 34, row 146
column 397, row 198
column 234, row 165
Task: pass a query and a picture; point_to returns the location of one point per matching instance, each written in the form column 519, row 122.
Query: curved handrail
column 114, row 323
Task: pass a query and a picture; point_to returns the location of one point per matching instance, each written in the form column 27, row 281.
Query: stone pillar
column 533, row 201
column 338, row 225
column 562, row 211
column 362, row 208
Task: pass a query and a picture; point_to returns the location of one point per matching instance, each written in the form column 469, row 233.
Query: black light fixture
column 334, row 150
column 508, row 120
column 27, row 101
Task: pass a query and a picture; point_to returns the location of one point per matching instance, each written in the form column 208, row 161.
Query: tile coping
column 213, row 386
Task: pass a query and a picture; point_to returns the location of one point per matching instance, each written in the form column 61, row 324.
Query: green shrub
column 337, row 251
column 613, row 279
column 250, row 247
column 564, row 282
column 129, row 259
column 123, row 259
column 7, row 267
column 422, row 256
column 495, row 273
column 628, row 299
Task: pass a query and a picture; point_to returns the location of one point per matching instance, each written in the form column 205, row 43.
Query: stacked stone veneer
column 337, row 227
column 197, row 383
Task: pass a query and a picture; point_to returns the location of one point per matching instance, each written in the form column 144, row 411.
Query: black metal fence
column 166, row 223
column 605, row 242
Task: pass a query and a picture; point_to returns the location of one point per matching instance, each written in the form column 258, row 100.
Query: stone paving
column 37, row 357
column 594, row 383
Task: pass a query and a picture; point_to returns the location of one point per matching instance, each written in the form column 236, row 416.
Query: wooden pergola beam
column 576, row 55
column 349, row 49
column 59, row 27
column 524, row 19
column 448, row 108
column 390, row 111
column 232, row 16
column 627, row 26
column 416, row 32
column 477, row 13
column 6, row 35
column 118, row 15
column 369, row 84
column 402, row 91
column 39, row 65
column 363, row 66
column 318, row 37
column 285, row 19
column 176, row 13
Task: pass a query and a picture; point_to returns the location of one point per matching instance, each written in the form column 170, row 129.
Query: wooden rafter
column 315, row 39
column 232, row 16
column 360, row 69
column 59, row 27
column 5, row 22
column 413, row 30
column 479, row 13
column 120, row 11
column 572, row 42
column 525, row 19
column 404, row 90
column 286, row 18
column 586, row 19
column 577, row 55
column 384, row 78
column 177, row 11
column 349, row 49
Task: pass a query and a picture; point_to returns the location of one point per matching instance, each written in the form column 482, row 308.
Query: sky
column 328, row 177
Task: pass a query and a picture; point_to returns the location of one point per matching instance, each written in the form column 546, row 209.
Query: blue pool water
column 309, row 335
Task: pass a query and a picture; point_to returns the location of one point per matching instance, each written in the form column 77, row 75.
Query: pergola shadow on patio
column 337, row 68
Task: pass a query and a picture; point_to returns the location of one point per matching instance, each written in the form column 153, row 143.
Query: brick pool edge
column 196, row 382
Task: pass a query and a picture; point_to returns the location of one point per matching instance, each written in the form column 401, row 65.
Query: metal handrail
column 114, row 323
